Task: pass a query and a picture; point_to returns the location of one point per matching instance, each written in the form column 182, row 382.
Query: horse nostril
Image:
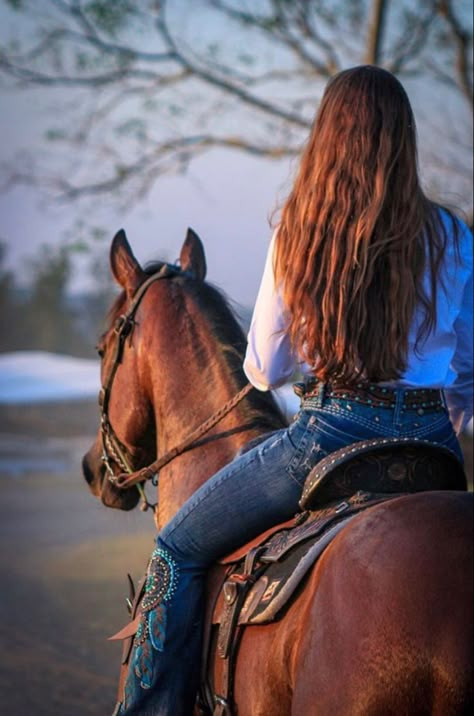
column 86, row 471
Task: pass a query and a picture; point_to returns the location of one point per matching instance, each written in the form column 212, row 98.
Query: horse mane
column 260, row 408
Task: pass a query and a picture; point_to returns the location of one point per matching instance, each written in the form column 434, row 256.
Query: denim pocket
column 440, row 431
column 308, row 451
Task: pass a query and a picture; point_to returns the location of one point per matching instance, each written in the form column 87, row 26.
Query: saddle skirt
column 276, row 564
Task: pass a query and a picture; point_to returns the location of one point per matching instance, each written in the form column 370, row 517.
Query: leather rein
column 114, row 452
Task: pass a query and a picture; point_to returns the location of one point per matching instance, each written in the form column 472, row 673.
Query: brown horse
column 384, row 625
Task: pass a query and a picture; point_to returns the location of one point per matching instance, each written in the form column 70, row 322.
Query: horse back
column 384, row 625
column 397, row 587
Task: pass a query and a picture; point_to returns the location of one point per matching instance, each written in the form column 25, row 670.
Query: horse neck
column 193, row 375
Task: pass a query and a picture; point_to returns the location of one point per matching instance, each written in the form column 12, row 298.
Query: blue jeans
column 249, row 495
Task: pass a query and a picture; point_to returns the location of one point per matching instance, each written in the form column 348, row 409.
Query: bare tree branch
column 185, row 148
column 222, row 84
column 463, row 41
column 308, row 27
column 93, row 38
column 57, row 80
column 146, row 108
column 278, row 27
column 412, row 43
column 296, row 43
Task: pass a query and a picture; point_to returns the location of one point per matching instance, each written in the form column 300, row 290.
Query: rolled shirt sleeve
column 269, row 360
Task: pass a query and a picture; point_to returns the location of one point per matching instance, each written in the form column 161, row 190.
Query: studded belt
column 376, row 396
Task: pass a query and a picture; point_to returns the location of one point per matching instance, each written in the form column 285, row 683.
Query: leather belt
column 371, row 394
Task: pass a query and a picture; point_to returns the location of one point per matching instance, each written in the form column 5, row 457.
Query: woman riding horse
column 367, row 289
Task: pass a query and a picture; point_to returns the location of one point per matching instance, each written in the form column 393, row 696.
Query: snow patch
column 38, row 376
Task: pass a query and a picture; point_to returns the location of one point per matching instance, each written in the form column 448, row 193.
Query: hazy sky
column 226, row 197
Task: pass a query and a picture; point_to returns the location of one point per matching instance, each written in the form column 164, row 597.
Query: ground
column 63, row 565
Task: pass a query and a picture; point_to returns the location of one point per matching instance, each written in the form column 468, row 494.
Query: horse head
column 127, row 436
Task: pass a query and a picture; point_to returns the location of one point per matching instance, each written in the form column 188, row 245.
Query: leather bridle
column 114, row 452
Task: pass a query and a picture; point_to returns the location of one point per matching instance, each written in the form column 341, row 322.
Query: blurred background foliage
column 40, row 313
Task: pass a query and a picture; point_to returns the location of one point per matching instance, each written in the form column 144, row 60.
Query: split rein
column 113, row 450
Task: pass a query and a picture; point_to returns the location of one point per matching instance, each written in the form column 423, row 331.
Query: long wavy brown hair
column 357, row 234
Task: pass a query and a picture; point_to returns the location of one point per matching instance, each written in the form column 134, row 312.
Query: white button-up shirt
column 443, row 360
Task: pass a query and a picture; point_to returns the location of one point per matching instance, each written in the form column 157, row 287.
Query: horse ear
column 125, row 268
column 192, row 256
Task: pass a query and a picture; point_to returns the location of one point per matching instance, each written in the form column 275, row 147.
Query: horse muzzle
column 95, row 474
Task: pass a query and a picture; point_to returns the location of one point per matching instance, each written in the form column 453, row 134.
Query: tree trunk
column 376, row 30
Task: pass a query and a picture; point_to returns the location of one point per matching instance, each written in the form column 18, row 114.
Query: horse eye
column 100, row 351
